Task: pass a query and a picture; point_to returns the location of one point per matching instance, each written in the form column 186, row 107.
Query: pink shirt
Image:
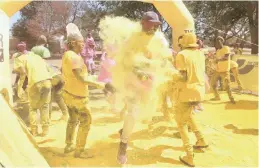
column 105, row 71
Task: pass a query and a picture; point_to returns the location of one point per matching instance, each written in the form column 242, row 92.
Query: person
column 234, row 70
column 237, row 49
column 167, row 91
column 89, row 53
column 133, row 78
column 57, row 83
column 105, row 76
column 191, row 64
column 222, row 69
column 39, row 89
column 40, row 48
column 76, row 94
column 21, row 82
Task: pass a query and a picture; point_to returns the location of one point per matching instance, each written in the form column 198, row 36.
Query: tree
column 130, row 9
column 226, row 18
column 46, row 17
column 19, row 29
column 252, row 13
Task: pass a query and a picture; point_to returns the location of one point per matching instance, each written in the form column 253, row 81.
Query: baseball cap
column 151, row 17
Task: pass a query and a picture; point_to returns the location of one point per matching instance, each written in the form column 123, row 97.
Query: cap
column 151, row 17
column 189, row 40
column 73, row 33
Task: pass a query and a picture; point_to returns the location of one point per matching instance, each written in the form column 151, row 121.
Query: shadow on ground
column 243, row 104
column 235, row 130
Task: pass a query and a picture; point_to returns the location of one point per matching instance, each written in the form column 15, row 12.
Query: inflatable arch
column 14, row 138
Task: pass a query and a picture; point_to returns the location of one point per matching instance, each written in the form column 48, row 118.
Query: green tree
column 230, row 19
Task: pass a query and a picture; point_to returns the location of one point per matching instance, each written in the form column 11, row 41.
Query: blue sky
column 14, row 19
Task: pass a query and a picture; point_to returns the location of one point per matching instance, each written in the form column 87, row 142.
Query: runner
column 76, row 94
column 191, row 64
column 132, row 74
column 222, row 70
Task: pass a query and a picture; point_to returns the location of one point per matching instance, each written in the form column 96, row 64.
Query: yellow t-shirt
column 223, row 66
column 35, row 67
column 71, row 61
column 54, row 71
column 193, row 62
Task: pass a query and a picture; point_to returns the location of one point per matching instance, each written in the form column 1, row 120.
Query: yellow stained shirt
column 35, row 67
column 193, row 62
column 71, row 61
column 223, row 66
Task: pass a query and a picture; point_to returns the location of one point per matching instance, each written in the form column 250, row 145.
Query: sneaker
column 69, row 148
column 187, row 160
column 200, row 107
column 200, row 144
column 83, row 154
column 122, row 153
column 195, row 110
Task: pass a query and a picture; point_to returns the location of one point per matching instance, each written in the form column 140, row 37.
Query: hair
column 70, row 46
column 42, row 40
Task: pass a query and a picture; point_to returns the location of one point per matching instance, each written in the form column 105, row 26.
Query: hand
column 109, row 88
column 100, row 85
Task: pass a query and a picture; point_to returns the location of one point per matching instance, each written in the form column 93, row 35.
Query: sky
column 14, row 19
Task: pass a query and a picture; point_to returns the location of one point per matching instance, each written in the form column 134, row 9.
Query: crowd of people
column 186, row 81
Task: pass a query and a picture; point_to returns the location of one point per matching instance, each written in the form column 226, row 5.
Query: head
column 219, row 42
column 150, row 22
column 89, row 34
column 21, row 47
column 189, row 40
column 200, row 43
column 75, row 43
column 42, row 40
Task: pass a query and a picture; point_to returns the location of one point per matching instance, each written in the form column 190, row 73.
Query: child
column 106, row 77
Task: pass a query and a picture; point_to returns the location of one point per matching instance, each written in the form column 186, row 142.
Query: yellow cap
column 189, row 40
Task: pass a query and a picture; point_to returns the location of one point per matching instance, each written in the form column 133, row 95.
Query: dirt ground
column 231, row 130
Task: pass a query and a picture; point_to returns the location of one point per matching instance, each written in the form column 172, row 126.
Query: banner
column 248, row 72
column 5, row 74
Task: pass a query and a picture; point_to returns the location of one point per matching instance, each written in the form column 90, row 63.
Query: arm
column 87, row 79
column 224, row 58
column 180, row 65
column 46, row 53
